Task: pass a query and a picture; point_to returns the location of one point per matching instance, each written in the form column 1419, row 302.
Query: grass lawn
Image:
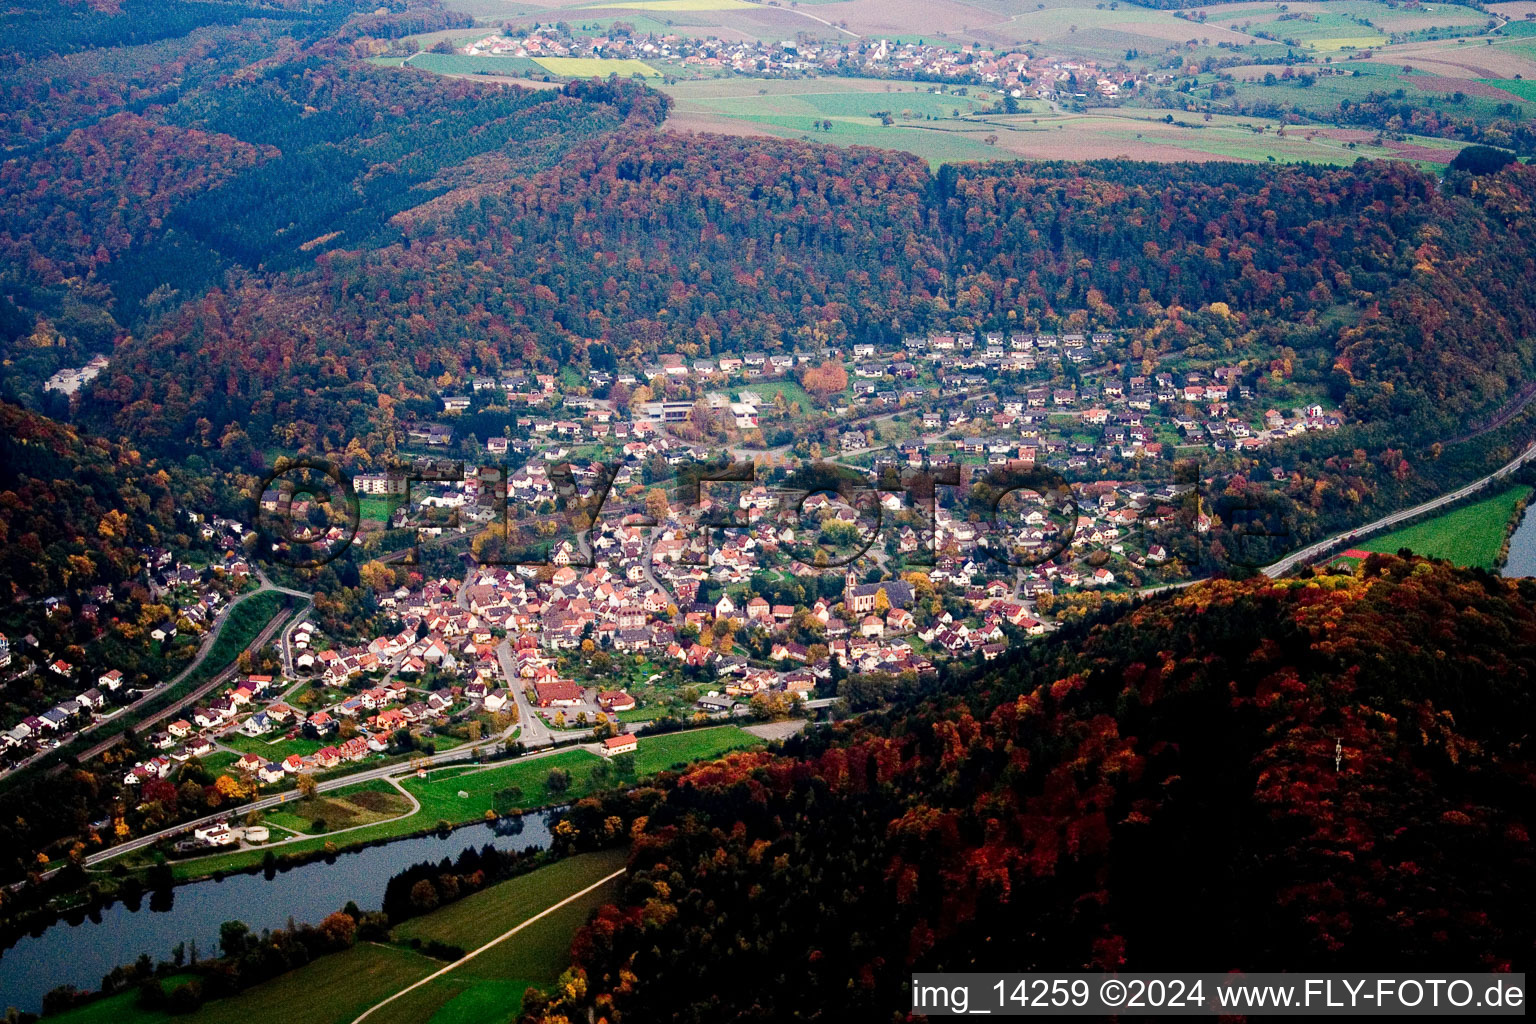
column 440, row 800
column 361, row 805
column 122, row 1008
column 377, row 509
column 219, row 762
column 793, row 392
column 657, row 753
column 1469, row 536
column 332, row 990
column 272, row 746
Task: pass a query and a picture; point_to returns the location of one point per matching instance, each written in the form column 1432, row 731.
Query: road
column 1314, row 551
column 535, row 732
column 205, row 646
column 463, row 753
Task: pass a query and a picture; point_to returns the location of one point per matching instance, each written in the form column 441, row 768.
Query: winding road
column 205, row 647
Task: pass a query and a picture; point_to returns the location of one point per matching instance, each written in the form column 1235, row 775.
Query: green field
column 121, row 1009
column 331, row 990
column 440, row 800
column 1525, row 88
column 595, row 67
column 490, row 987
column 1469, row 536
column 464, row 64
column 272, row 746
column 377, row 509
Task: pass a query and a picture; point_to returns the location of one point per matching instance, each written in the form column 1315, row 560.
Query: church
column 859, row 598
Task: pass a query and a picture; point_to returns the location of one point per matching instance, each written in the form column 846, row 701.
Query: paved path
column 504, row 936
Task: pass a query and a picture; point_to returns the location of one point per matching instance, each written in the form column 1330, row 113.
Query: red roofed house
column 615, row 745
column 615, row 700
column 558, row 694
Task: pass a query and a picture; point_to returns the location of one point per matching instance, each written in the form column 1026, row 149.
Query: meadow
column 490, row 987
column 928, row 125
column 670, row 6
column 1470, row 536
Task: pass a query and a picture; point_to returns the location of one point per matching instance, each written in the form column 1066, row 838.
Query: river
column 81, row 954
column 1522, row 548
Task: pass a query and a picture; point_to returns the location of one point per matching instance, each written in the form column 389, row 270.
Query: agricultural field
column 331, row 990
column 926, row 125
column 583, row 67
column 670, row 6
column 121, row 1009
column 490, row 987
column 1439, row 56
column 1469, row 536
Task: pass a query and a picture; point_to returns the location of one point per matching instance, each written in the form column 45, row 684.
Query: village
column 173, row 604
column 747, row 598
column 1018, row 73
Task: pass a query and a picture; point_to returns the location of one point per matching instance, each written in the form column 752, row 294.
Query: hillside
column 638, row 244
column 1161, row 794
column 76, row 509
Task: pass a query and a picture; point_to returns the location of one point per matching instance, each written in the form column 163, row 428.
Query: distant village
column 1017, row 73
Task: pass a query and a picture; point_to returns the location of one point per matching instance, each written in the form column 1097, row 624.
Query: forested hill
column 1158, row 795
column 76, row 510
column 146, row 173
column 640, row 243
